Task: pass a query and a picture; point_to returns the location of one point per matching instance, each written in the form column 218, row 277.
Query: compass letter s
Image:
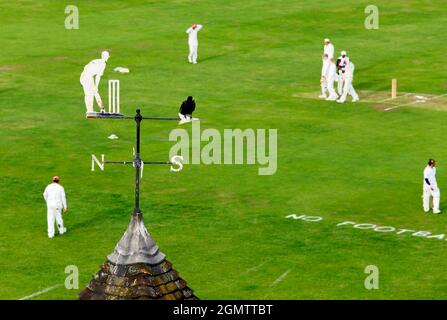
column 178, row 161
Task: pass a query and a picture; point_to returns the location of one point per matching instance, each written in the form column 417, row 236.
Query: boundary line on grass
column 280, row 278
column 414, row 102
column 256, row 268
column 35, row 294
column 401, row 96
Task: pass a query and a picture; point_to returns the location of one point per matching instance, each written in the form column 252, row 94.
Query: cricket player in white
column 193, row 42
column 341, row 65
column 54, row 196
column 430, row 188
column 328, row 49
column 90, row 78
column 327, row 79
column 348, row 88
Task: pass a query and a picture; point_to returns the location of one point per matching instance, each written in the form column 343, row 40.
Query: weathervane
column 137, row 269
column 137, row 162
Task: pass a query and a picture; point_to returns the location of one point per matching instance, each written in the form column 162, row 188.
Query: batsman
column 90, row 78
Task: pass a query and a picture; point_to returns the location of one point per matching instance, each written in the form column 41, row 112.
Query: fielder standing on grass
column 348, row 88
column 328, row 49
column 327, row 79
column 193, row 42
column 341, row 65
column 54, row 196
column 431, row 188
column 328, row 54
column 90, row 78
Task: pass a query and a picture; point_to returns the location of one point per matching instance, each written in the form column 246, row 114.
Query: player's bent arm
column 199, row 26
column 64, row 199
column 428, row 182
column 97, row 79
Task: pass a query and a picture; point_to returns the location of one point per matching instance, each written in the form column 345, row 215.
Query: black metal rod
column 121, row 117
column 118, row 162
column 137, row 161
column 157, row 162
column 158, row 118
column 115, row 117
column 138, row 119
column 131, row 162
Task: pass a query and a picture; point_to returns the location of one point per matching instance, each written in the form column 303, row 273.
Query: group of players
column 340, row 71
column 94, row 70
column 54, row 193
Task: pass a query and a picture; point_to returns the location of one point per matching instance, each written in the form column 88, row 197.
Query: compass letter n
column 100, row 164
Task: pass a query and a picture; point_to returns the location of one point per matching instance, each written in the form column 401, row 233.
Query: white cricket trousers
column 90, row 92
column 54, row 214
column 323, row 88
column 192, row 57
column 328, row 85
column 436, row 194
column 330, row 88
column 340, row 78
column 348, row 89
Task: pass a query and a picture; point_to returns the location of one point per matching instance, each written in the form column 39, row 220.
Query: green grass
column 217, row 223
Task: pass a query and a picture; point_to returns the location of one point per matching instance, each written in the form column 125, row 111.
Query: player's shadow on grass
column 211, row 57
column 81, row 225
column 373, row 85
column 89, row 223
column 442, row 206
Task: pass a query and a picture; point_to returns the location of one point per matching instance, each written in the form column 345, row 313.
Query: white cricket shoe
column 182, row 121
column 63, row 231
column 322, row 96
column 437, row 212
column 91, row 114
column 355, row 99
column 340, row 101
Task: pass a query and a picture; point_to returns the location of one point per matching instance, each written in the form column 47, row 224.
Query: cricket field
column 224, row 227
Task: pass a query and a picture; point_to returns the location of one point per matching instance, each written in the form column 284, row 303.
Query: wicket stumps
column 393, row 88
column 114, row 96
